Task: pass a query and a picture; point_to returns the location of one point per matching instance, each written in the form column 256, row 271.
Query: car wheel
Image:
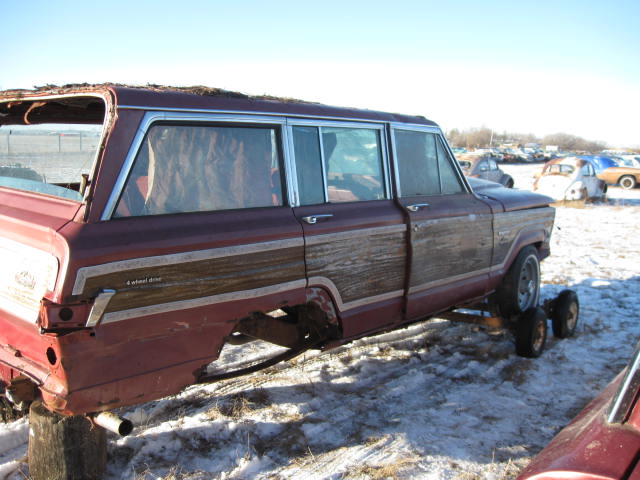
column 627, row 182
column 521, row 285
column 531, row 333
column 564, row 314
column 509, row 183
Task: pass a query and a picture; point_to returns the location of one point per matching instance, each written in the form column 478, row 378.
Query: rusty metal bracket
column 495, row 322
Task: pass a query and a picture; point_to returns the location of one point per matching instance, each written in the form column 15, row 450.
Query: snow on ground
column 433, row 401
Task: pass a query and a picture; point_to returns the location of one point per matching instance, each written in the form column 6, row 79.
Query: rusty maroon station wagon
column 142, row 229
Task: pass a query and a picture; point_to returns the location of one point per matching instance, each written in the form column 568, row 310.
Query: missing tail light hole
column 51, row 356
column 65, row 314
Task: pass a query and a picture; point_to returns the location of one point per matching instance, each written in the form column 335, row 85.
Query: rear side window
column 424, row 165
column 349, row 158
column 193, row 168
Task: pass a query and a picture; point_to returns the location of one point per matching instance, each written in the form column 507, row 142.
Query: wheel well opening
column 287, row 326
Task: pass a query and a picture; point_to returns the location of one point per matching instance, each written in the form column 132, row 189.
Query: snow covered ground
column 433, row 401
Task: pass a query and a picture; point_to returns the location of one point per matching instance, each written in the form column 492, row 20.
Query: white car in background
column 632, row 161
column 569, row 178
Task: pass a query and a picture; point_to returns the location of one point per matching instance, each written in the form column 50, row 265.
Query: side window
column 417, row 163
column 306, row 145
column 449, row 180
column 193, row 168
column 424, row 165
column 352, row 160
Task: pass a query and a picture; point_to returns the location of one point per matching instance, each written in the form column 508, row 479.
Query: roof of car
column 208, row 98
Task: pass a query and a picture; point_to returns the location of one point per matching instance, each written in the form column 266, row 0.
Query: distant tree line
column 485, row 137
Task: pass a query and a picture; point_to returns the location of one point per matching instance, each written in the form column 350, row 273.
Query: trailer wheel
column 63, row 448
column 531, row 333
column 521, row 285
column 564, row 314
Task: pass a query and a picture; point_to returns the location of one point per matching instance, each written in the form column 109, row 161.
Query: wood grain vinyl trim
column 85, row 273
column 365, row 232
column 201, row 302
column 534, row 225
column 342, row 306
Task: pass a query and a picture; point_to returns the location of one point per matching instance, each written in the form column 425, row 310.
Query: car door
column 450, row 229
column 495, row 175
column 483, row 169
column 355, row 235
column 590, row 180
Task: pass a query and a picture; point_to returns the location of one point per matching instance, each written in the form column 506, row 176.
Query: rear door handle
column 313, row 219
column 417, row 206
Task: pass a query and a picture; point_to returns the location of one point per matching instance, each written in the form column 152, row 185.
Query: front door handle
column 313, row 219
column 417, row 206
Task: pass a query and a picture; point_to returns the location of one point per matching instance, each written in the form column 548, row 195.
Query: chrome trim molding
column 85, row 273
column 447, row 281
column 342, row 306
column 289, row 165
column 100, row 304
column 301, row 116
column 627, row 391
column 121, row 315
column 154, row 116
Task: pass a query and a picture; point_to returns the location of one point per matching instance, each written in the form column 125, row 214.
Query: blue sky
column 539, row 67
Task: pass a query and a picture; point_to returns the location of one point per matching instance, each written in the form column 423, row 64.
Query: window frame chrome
column 319, row 123
column 153, row 117
column 623, row 400
column 439, row 137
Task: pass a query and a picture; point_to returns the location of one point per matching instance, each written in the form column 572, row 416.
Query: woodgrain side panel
column 449, row 247
column 176, row 282
column 361, row 264
column 511, row 225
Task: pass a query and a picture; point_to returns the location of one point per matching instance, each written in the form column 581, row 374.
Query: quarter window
column 189, row 168
column 350, row 158
column 424, row 166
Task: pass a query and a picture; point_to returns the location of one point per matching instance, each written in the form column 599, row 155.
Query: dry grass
column 571, row 203
column 381, row 472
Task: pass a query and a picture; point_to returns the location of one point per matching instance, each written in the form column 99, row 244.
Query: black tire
column 627, row 182
column 531, row 333
column 520, row 287
column 564, row 314
column 508, row 182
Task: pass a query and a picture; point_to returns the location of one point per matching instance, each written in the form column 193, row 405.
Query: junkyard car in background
column 611, row 171
column 569, row 178
column 602, row 442
column 632, row 161
column 484, row 166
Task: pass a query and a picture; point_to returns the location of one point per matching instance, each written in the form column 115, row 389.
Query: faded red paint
column 81, row 369
column 590, row 447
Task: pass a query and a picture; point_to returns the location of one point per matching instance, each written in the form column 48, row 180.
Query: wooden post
column 65, row 448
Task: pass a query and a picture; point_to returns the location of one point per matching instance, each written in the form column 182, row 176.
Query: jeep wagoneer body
column 142, row 229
